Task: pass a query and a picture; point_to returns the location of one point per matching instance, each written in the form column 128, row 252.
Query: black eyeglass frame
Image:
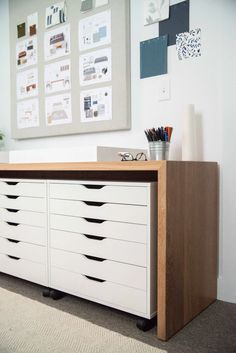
column 128, row 157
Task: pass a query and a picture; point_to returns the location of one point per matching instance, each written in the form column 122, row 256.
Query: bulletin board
column 69, row 77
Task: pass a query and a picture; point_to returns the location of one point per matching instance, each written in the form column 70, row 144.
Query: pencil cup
column 159, row 150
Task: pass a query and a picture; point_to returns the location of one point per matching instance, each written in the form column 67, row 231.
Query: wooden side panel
column 191, row 242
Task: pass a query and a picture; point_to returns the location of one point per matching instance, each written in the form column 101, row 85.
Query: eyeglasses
column 127, row 156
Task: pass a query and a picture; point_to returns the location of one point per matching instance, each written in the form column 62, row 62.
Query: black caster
column 145, row 324
column 56, row 294
column 46, row 292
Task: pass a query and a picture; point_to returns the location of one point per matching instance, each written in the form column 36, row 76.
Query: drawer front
column 31, row 271
column 22, row 250
column 133, row 195
column 107, row 211
column 35, row 204
column 118, row 230
column 24, row 217
column 25, row 233
column 128, row 275
column 104, row 292
column 110, row 249
column 22, row 188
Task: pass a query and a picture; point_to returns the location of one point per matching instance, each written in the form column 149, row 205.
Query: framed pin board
column 70, row 67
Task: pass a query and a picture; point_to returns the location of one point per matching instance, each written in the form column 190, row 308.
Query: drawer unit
column 102, row 245
column 103, row 211
column 117, row 230
column 105, row 248
column 112, row 271
column 22, row 188
column 22, row 232
column 123, row 194
column 23, row 250
column 31, row 271
column 108, row 293
column 35, row 204
column 23, row 229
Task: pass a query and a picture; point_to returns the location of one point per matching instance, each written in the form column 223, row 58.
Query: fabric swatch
column 155, row 11
column 188, row 44
column 21, row 30
column 153, row 57
column 178, row 22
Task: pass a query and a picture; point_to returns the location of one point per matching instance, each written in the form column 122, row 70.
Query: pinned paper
column 188, row 44
column 86, row 5
column 28, row 114
column 26, row 52
column 58, row 109
column 57, row 76
column 178, row 22
column 21, row 30
column 57, row 42
column 153, row 57
column 55, row 14
column 96, row 104
column 27, row 83
column 155, row 11
column 95, row 30
column 95, row 67
column 32, row 24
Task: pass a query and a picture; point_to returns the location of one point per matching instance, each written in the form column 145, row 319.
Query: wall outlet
column 164, row 89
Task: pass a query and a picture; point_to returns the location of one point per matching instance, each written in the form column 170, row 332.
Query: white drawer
column 23, row 203
column 117, row 230
column 108, row 293
column 25, row 233
column 133, row 195
column 24, row 217
column 107, row 211
column 128, row 275
column 22, row 250
column 20, row 188
column 110, row 249
column 25, row 269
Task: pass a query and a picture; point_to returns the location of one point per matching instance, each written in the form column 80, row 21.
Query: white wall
column 205, row 81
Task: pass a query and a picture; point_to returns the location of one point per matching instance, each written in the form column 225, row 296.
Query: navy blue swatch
column 153, row 57
column 178, row 22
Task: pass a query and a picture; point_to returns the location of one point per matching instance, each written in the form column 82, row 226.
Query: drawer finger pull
column 94, row 237
column 13, row 224
column 13, row 241
column 12, row 210
column 88, row 186
column 13, row 257
column 12, row 182
column 95, row 279
column 93, row 220
column 12, row 197
column 93, row 203
column 94, row 258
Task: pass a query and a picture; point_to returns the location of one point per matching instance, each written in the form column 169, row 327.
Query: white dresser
column 103, row 243
column 95, row 240
column 23, row 229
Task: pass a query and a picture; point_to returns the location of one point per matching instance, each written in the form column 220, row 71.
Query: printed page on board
column 58, row 109
column 95, row 67
column 96, row 104
column 57, row 76
column 28, row 114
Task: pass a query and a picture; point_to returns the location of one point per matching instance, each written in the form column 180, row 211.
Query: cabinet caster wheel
column 56, row 294
column 145, row 324
column 46, row 292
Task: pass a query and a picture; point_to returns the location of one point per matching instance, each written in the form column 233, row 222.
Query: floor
column 213, row 331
